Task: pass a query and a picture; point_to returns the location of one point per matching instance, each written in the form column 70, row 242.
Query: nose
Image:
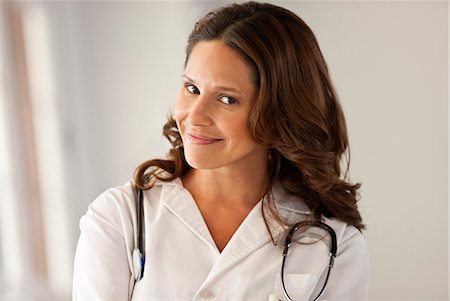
column 200, row 112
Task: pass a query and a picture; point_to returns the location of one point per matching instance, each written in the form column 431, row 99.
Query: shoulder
column 113, row 206
column 119, row 202
column 351, row 265
column 292, row 208
column 352, row 247
column 346, row 233
column 112, row 200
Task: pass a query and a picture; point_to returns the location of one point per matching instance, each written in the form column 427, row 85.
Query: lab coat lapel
column 252, row 234
column 178, row 200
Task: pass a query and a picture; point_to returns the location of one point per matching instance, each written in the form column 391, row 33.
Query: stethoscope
column 139, row 255
column 138, row 252
column 288, row 243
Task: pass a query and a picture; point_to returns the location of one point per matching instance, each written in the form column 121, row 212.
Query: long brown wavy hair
column 296, row 115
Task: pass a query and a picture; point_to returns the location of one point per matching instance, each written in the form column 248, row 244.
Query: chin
column 201, row 158
column 197, row 163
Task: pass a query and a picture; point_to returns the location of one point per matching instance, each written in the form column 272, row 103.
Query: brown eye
column 228, row 100
column 192, row 89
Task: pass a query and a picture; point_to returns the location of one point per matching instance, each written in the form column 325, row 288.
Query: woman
column 257, row 140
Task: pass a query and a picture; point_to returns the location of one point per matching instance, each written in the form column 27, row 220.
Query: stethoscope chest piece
column 137, row 264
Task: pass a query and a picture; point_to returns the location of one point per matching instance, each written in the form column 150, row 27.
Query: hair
column 297, row 114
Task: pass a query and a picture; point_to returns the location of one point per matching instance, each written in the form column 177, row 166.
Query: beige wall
column 389, row 64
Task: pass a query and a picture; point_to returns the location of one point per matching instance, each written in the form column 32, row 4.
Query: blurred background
column 87, row 85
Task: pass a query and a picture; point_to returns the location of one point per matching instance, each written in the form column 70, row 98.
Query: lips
column 201, row 139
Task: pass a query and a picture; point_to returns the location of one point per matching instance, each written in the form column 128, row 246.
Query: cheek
column 237, row 127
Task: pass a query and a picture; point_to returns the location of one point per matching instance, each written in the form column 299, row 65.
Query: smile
column 201, row 140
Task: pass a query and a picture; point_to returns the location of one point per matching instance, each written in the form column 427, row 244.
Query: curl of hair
column 175, row 166
column 297, row 114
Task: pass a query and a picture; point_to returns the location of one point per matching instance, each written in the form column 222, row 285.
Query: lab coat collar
column 180, row 201
column 251, row 235
column 284, row 201
column 288, row 203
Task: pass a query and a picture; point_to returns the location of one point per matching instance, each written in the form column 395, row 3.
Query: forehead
column 215, row 61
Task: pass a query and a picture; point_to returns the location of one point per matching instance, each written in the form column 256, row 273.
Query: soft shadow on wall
column 78, row 95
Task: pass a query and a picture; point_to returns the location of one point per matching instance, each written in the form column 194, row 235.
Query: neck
column 228, row 187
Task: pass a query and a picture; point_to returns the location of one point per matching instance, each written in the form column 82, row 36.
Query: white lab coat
column 183, row 262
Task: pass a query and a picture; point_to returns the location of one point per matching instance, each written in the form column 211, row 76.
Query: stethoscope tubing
column 288, row 243
column 140, row 248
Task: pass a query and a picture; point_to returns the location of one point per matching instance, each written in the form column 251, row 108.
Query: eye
column 228, row 100
column 192, row 89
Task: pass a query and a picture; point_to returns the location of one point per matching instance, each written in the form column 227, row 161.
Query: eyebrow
column 224, row 88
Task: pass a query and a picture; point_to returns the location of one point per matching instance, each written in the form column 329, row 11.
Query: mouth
column 201, row 140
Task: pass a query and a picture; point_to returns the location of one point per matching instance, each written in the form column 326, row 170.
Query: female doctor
column 250, row 203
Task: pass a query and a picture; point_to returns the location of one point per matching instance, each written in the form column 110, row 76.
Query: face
column 213, row 109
